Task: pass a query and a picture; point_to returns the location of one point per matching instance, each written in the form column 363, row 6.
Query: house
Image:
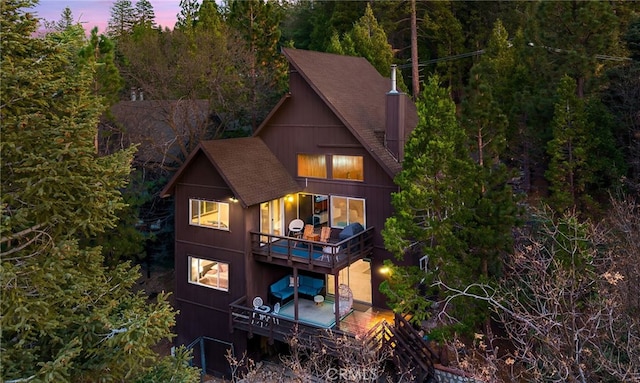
column 327, row 154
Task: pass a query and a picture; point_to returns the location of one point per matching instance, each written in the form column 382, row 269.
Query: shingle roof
column 251, row 170
column 355, row 91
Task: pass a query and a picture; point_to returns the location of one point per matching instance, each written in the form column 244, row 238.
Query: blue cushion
column 350, row 230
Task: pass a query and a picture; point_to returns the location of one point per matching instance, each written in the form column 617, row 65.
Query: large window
column 209, row 273
column 209, row 214
column 313, row 209
column 347, row 168
column 312, row 165
column 345, row 210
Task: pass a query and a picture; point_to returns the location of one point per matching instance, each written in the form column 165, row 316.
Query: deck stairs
column 410, row 352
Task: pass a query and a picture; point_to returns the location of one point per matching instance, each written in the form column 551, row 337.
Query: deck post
column 295, row 293
column 336, row 289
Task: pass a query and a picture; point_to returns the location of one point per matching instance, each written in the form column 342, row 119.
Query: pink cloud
column 96, row 13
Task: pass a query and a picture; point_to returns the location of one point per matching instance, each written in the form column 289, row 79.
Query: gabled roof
column 354, row 90
column 249, row 168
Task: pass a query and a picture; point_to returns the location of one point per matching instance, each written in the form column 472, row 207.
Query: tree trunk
column 415, row 75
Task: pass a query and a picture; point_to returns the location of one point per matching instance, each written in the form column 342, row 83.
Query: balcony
column 281, row 326
column 379, row 328
column 320, row 257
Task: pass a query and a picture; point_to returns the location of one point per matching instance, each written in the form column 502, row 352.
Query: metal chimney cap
column 393, row 79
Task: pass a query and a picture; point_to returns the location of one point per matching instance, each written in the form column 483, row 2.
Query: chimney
column 395, row 119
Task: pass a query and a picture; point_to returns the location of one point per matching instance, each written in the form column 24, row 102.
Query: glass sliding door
column 357, row 277
column 272, row 218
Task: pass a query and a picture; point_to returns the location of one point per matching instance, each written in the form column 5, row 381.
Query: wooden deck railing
column 410, row 351
column 270, row 325
column 325, row 257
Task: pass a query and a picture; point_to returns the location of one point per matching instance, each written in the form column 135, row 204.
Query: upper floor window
column 209, row 214
column 347, row 168
column 312, row 165
column 345, row 210
column 209, row 273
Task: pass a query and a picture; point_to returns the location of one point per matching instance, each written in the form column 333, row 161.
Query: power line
column 482, row 51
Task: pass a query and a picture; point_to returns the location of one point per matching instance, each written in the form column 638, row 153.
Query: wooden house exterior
column 326, row 154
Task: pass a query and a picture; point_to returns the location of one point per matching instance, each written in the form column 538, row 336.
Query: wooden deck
column 321, row 257
column 279, row 327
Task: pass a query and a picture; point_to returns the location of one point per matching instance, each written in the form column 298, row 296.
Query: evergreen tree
column 489, row 230
column 435, row 185
column 576, row 33
column 123, row 18
column 66, row 20
column 258, row 23
column 367, row 39
column 145, row 15
column 64, row 316
column 209, row 18
column 100, row 52
column 370, row 42
column 568, row 150
column 333, row 16
column 188, row 15
column 622, row 98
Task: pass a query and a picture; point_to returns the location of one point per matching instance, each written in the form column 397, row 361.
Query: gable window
column 209, row 273
column 347, row 168
column 345, row 210
column 312, row 165
column 210, row 214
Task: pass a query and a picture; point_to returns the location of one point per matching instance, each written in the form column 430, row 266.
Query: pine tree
column 123, row 18
column 370, row 41
column 367, row 39
column 435, row 185
column 145, row 15
column 490, row 229
column 66, row 20
column 576, row 33
column 209, row 18
column 100, row 51
column 65, row 317
column 568, row 150
column 258, row 24
column 188, row 15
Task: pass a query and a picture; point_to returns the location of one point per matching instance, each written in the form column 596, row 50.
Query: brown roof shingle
column 355, row 91
column 249, row 168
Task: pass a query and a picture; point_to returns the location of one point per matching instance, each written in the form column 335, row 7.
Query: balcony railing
column 409, row 350
column 324, row 257
column 271, row 325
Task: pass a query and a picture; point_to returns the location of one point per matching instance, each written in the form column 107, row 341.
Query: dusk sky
column 92, row 13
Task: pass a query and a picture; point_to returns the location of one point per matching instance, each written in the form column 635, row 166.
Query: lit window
column 345, row 210
column 312, row 165
column 209, row 273
column 347, row 168
column 209, row 214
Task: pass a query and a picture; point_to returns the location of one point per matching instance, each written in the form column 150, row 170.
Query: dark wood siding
column 304, row 124
column 196, row 321
column 204, row 310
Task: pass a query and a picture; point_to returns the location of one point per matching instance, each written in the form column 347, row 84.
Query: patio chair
column 276, row 311
column 308, row 232
column 325, row 233
column 295, row 228
column 258, row 305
